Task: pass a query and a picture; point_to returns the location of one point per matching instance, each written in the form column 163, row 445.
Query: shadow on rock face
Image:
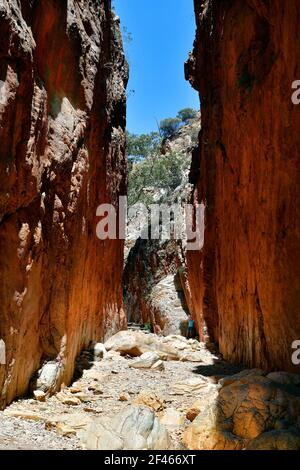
column 83, row 362
column 218, row 370
column 252, row 410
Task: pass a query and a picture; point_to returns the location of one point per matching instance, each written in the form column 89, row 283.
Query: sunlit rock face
column 246, row 171
column 62, row 119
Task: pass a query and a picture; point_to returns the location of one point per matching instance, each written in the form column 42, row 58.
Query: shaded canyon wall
column 62, row 120
column 244, row 284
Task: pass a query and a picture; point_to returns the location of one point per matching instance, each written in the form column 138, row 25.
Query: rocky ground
column 109, row 386
column 141, row 381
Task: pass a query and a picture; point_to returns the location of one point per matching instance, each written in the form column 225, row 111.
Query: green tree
column 154, row 174
column 142, row 146
column 186, row 114
column 168, row 127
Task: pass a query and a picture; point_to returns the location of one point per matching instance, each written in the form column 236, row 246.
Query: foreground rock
column 245, row 412
column 47, row 378
column 136, row 428
column 62, row 119
column 248, row 410
column 104, row 390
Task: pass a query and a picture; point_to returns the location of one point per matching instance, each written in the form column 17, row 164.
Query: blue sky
column 163, row 32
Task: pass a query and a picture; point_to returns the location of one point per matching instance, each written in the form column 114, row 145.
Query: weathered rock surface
column 136, row 428
column 172, row 418
column 251, row 411
column 62, row 117
column 145, row 361
column 190, row 386
column 244, row 414
column 244, row 283
column 277, row 440
column 105, row 389
column 152, row 290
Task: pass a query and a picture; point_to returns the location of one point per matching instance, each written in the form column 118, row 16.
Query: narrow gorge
column 95, row 344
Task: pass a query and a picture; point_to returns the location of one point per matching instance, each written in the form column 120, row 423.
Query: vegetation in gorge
column 155, row 167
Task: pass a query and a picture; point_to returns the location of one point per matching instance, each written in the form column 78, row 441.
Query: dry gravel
column 100, row 388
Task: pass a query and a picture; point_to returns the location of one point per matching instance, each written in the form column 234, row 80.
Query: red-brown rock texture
column 246, row 278
column 62, row 117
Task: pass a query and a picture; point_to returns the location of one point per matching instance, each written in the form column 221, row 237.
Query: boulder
column 47, row 378
column 135, row 428
column 132, row 343
column 191, row 356
column 145, row 361
column 242, row 411
column 207, row 432
column 172, row 347
column 286, row 439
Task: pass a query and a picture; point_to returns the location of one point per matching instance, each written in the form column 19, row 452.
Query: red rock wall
column 62, row 117
column 247, row 276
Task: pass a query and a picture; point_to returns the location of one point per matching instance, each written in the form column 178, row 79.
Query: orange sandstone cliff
column 244, row 285
column 62, row 119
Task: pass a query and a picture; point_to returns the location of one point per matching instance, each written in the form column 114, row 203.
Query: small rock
column 23, row 415
column 83, row 397
column 39, row 395
column 65, row 430
column 151, row 399
column 159, row 366
column 192, row 385
column 124, row 397
column 75, row 390
column 195, row 409
column 68, row 400
column 92, row 410
column 99, row 351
